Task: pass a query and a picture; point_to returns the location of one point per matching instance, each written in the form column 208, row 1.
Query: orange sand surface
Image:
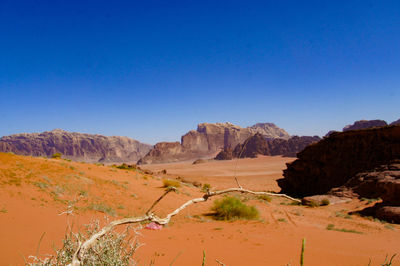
column 34, row 192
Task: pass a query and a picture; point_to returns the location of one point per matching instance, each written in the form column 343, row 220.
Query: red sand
column 26, row 211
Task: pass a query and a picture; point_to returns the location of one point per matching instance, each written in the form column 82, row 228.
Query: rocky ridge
column 207, row 140
column 76, row 146
column 259, row 145
column 363, row 124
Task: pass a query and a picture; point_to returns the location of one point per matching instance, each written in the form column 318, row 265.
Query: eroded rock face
column 382, row 182
column 76, row 146
column 259, row 145
column 363, row 124
column 334, row 160
column 209, row 139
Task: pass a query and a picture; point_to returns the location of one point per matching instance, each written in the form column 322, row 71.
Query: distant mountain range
column 76, row 146
column 225, row 139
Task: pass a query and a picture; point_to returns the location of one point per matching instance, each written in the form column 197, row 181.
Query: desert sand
column 36, row 192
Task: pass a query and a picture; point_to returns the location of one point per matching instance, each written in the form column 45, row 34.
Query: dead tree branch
column 149, row 216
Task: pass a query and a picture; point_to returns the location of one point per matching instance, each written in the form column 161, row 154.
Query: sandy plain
column 34, row 192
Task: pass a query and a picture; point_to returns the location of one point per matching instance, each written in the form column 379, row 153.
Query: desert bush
column 111, row 249
column 231, row 208
column 171, row 183
column 325, row 202
column 206, row 187
column 56, row 155
column 264, row 198
column 313, row 204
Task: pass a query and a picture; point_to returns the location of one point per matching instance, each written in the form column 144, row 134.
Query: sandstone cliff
column 207, row 140
column 75, row 146
column 334, row 160
column 259, row 145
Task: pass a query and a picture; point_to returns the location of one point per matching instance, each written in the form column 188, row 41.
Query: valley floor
column 34, row 192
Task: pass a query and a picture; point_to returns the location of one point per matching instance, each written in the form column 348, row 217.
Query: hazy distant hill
column 207, row 140
column 363, row 124
column 76, row 146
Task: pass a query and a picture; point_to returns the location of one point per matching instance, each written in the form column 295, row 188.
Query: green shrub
column 206, row 187
column 171, row 183
column 56, row 155
column 325, row 202
column 231, row 208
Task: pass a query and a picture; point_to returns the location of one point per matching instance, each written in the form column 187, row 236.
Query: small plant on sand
column 264, row 198
column 56, row 155
column 101, row 207
column 231, row 208
column 171, row 183
column 331, row 227
column 325, row 202
column 206, row 187
column 112, row 248
column 313, row 204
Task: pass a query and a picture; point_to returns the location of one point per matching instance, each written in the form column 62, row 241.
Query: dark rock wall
column 334, row 160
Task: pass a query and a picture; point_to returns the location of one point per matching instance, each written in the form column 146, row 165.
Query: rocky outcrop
column 259, row 145
column 269, row 130
column 334, row 160
column 75, row 146
column 382, row 182
column 397, row 122
column 363, row 124
column 165, row 152
column 207, row 140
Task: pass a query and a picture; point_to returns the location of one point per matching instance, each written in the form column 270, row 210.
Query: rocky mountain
column 207, row 140
column 335, row 159
column 76, row 146
column 397, row 122
column 260, row 145
column 363, row 124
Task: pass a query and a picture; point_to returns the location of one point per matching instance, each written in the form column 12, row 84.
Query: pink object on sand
column 154, row 226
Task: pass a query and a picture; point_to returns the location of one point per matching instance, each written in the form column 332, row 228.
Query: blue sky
column 152, row 70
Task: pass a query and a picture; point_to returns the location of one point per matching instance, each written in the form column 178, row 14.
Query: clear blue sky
column 152, row 70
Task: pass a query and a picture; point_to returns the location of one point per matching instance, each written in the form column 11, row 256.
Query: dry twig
column 151, row 217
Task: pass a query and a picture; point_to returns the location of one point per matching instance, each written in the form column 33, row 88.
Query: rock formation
column 75, row 146
column 363, row 124
column 382, row 182
column 397, row 122
column 259, row 145
column 207, row 140
column 334, row 160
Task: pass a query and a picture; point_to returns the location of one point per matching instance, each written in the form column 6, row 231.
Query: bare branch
column 168, row 190
column 77, row 258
